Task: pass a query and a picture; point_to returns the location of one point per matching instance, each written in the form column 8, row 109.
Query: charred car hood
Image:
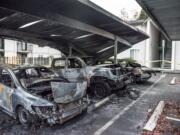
column 65, row 92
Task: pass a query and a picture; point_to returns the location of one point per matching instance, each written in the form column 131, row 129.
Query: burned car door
column 65, row 92
column 6, row 90
column 75, row 69
column 60, row 66
column 72, row 68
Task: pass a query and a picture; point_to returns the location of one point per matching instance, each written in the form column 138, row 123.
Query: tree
column 142, row 15
column 136, row 15
column 124, row 14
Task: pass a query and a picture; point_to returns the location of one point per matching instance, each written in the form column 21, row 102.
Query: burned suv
column 102, row 80
column 105, row 80
column 135, row 71
column 37, row 93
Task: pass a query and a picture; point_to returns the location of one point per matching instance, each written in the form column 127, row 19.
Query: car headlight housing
column 43, row 109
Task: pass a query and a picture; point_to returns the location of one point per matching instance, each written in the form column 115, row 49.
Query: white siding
column 140, row 46
column 10, row 48
column 177, row 55
column 152, row 45
column 148, row 49
column 43, row 52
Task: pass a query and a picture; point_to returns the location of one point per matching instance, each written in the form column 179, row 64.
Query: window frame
column 13, row 85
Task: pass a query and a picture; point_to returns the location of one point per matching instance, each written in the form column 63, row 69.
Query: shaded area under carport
column 80, row 25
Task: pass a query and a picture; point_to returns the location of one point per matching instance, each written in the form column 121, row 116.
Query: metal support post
column 70, row 50
column 115, row 50
column 163, row 54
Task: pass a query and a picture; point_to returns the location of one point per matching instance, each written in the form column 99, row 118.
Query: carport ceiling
column 166, row 14
column 61, row 23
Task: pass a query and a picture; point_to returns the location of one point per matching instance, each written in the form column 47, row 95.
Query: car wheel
column 101, row 89
column 23, row 116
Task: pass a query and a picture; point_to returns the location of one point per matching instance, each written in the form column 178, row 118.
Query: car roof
column 6, row 66
column 28, row 66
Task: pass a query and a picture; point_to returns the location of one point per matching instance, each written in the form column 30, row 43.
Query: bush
column 128, row 60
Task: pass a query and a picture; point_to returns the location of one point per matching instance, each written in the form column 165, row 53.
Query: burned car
column 102, row 79
column 37, row 93
column 106, row 80
column 136, row 72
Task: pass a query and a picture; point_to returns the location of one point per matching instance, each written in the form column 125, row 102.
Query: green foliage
column 143, row 15
column 128, row 60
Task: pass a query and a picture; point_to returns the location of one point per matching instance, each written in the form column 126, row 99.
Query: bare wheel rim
column 23, row 116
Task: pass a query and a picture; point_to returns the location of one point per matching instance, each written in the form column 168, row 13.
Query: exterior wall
column 37, row 51
column 140, row 46
column 152, row 45
column 175, row 55
column 10, row 48
column 141, row 57
column 148, row 49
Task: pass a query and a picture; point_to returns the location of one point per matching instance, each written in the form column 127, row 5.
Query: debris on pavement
column 100, row 103
column 174, row 81
column 165, row 126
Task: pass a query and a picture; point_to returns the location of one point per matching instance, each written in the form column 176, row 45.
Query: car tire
column 100, row 89
column 24, row 116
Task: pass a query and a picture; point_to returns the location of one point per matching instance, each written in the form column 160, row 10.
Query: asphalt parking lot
column 120, row 116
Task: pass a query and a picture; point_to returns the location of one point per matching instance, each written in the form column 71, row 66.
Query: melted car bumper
column 63, row 113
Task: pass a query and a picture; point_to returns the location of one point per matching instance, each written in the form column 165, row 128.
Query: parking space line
column 116, row 117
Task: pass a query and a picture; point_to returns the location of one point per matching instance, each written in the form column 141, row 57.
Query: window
column 29, row 48
column 135, row 54
column 74, row 63
column 22, row 58
column 45, row 72
column 32, row 72
column 1, row 54
column 1, row 43
column 21, row 46
column 60, row 64
column 5, row 78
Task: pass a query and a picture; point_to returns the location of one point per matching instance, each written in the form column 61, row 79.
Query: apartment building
column 155, row 52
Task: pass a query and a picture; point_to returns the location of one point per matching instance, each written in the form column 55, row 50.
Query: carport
column 165, row 13
column 78, row 27
column 62, row 25
column 166, row 16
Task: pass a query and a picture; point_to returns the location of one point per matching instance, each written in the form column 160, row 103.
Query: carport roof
column 85, row 27
column 166, row 14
